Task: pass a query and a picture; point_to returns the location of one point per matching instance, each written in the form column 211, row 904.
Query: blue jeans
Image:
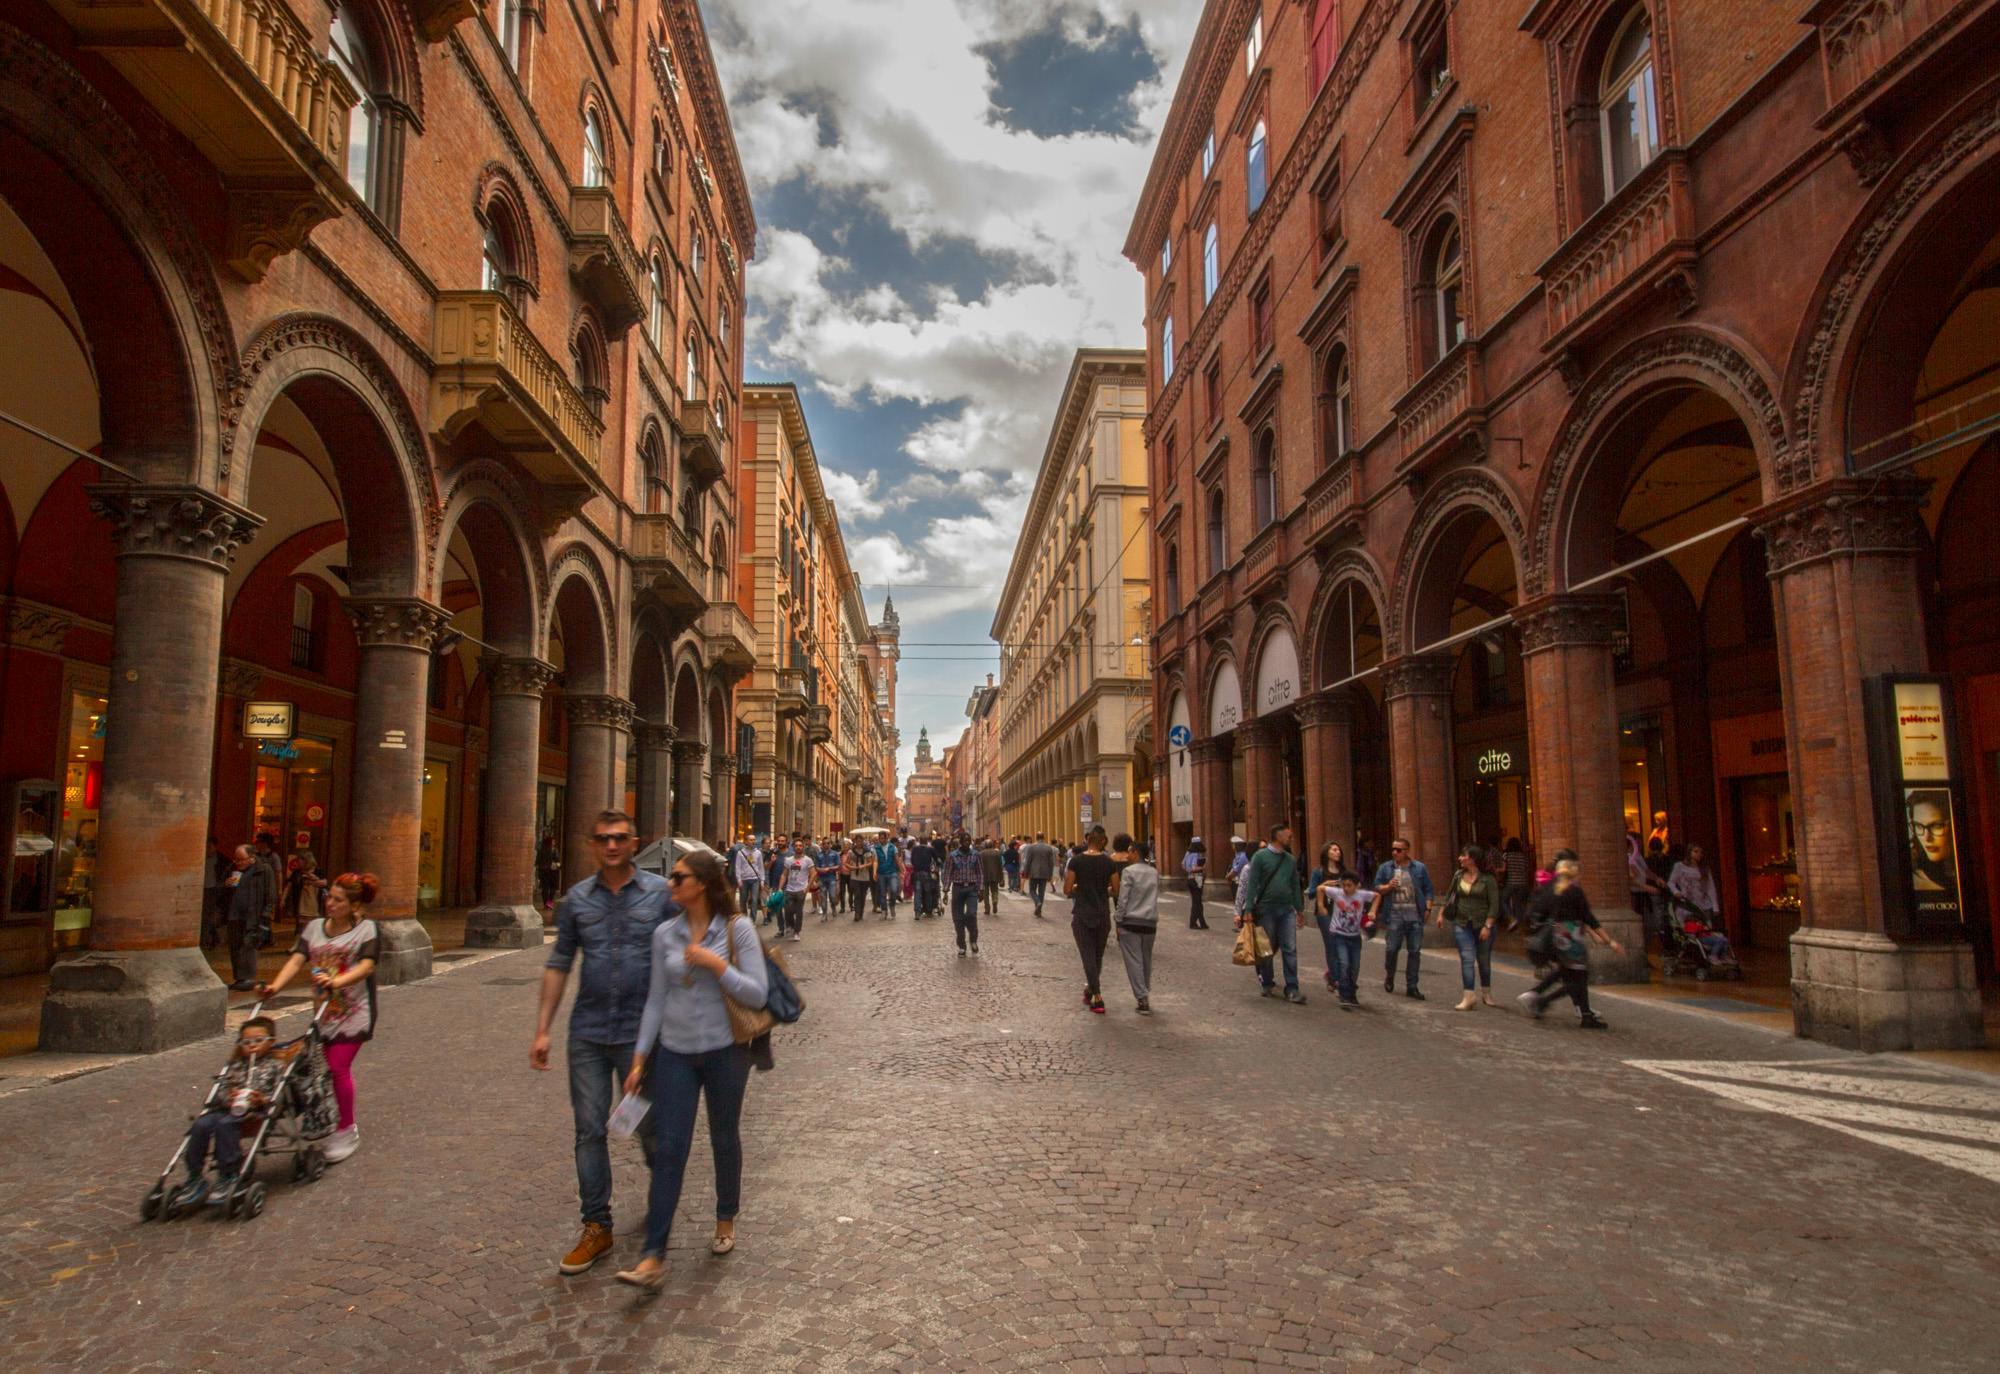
column 595, row 1072
column 924, row 889
column 677, row 1083
column 1038, row 889
column 888, row 888
column 1396, row 933
column 1345, row 952
column 1283, row 928
column 1475, row 951
column 965, row 915
column 750, row 899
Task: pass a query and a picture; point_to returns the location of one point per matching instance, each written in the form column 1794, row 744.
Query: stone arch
column 1348, row 567
column 329, row 368
column 395, row 37
column 1222, row 657
column 1911, row 201
column 94, row 184
column 684, row 703
column 498, row 190
column 1700, row 357
column 1275, row 616
column 1467, row 489
column 585, row 620
column 647, row 683
column 486, row 486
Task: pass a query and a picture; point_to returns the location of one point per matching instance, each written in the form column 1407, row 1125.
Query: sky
column 942, row 189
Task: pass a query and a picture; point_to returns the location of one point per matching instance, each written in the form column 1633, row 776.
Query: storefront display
column 294, row 795
column 432, row 833
column 76, row 851
column 1495, row 801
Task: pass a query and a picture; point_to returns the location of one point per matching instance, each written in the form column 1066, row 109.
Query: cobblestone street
column 957, row 1167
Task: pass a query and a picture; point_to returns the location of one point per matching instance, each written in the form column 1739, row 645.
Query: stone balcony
column 702, row 441
column 602, row 261
column 1446, row 408
column 1867, row 45
column 247, row 84
column 1333, row 501
column 730, row 637
column 791, row 697
column 819, row 724
column 669, row 571
column 490, row 369
column 1642, row 239
column 1265, row 562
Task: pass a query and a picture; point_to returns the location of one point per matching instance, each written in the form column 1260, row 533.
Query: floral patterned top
column 351, row 1013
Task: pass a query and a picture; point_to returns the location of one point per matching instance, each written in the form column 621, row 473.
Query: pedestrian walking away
column 1470, row 909
column 992, row 872
column 1038, row 869
column 1138, row 922
column 1271, row 899
column 610, row 918
column 1194, row 864
column 963, row 872
column 859, row 865
column 1012, row 862
column 687, row 1054
column 923, row 881
column 1559, row 919
column 1405, row 888
column 1090, row 881
column 826, row 879
column 248, row 928
column 340, row 948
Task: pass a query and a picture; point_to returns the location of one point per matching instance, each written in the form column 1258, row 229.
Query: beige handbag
column 745, row 1023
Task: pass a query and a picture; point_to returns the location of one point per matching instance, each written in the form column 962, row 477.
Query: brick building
column 924, row 792
column 881, row 651
column 1563, row 416
column 373, row 362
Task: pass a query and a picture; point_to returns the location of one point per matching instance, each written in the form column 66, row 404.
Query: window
column 1338, row 433
column 1169, row 453
column 1253, row 44
column 305, row 609
column 1260, row 318
column 1208, row 155
column 1447, row 278
column 511, row 31
column 1211, row 389
column 596, row 160
column 691, row 382
column 656, row 301
column 587, row 365
column 364, row 122
column 1257, row 175
column 1264, row 482
column 663, row 157
column 1218, row 550
column 722, row 326
column 1210, row 265
column 1173, row 580
column 1326, row 209
column 1430, row 59
column 495, row 261
column 694, row 257
column 1627, row 110
column 653, row 492
column 1325, row 38
column 690, row 507
column 1166, row 255
column 1166, row 349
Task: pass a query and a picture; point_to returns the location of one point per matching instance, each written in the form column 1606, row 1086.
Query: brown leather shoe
column 593, row 1245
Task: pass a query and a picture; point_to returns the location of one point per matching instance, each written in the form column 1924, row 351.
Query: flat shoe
column 652, row 1282
column 722, row 1245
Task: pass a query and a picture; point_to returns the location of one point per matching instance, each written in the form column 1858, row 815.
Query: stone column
column 1214, row 808
column 143, row 985
column 1566, row 659
column 1163, row 819
column 1842, row 557
column 1326, row 733
column 507, row 915
column 656, row 780
column 1263, row 776
column 391, row 710
column 1416, row 699
column 597, row 725
column 689, row 755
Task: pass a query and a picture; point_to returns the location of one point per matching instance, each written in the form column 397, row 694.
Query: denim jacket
column 614, row 930
column 1420, row 878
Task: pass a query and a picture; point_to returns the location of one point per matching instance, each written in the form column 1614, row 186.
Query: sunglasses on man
column 612, row 837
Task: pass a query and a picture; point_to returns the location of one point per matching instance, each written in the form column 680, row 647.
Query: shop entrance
column 76, row 850
column 1495, row 803
column 292, row 800
column 433, row 835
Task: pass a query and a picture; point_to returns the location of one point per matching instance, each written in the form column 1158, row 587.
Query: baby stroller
column 1702, row 951
column 301, row 1111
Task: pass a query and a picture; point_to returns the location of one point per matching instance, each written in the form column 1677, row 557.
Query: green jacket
column 1474, row 908
column 1273, row 884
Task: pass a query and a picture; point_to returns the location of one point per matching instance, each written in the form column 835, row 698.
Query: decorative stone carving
column 589, row 709
column 267, row 224
column 1868, row 151
column 240, row 679
column 1844, row 518
column 516, row 677
column 1211, row 749
column 1681, row 290
column 1564, row 621
column 1325, row 708
column 1463, row 487
column 1259, row 733
column 689, row 751
column 1417, row 675
column 404, row 621
column 174, row 522
column 31, row 626
column 654, row 738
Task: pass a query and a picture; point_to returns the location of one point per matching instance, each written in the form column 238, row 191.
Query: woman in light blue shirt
column 700, row 954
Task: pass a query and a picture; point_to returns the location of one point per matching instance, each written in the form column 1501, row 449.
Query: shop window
column 1440, row 291
column 596, row 151
column 1338, row 435
column 1257, row 167
column 293, row 796
column 1264, row 482
column 1430, row 58
column 1260, row 317
column 1166, row 350
column 1325, row 33
column 1627, row 108
column 305, row 616
column 1218, row 543
column 74, row 881
column 1211, row 264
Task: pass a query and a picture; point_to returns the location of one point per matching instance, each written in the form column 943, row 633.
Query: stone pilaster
column 1215, row 809
column 507, row 915
column 1326, row 733
column 1416, row 692
column 656, row 779
column 143, row 984
column 689, row 755
column 597, row 725
column 1263, row 777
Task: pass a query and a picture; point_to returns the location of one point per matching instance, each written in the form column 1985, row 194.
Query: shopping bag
column 1245, row 952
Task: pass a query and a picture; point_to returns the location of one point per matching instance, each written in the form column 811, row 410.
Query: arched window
column 656, row 301
column 1218, row 543
column 663, row 156
column 653, row 489
column 1173, row 580
column 690, row 507
column 1627, row 106
column 1264, row 482
column 1257, row 176
column 718, row 565
column 352, row 57
column 694, row 257
column 596, row 154
column 1211, row 264
column 1441, row 290
column 496, row 258
column 588, row 365
column 1166, row 349
column 1253, row 42
column 691, row 382
column 1339, row 435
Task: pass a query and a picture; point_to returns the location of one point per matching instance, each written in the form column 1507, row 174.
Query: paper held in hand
column 627, row 1115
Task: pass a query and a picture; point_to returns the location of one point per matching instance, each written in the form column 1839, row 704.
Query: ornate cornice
column 1578, row 619
column 1847, row 517
column 516, row 677
column 1417, row 675
column 174, row 522
column 1212, row 749
column 240, row 678
column 599, row 709
column 402, row 621
column 33, row 626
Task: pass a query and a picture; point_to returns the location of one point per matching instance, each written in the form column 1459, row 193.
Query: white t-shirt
column 798, row 872
column 1344, row 913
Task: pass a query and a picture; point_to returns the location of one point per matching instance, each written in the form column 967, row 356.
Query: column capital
column 599, row 709
column 1845, row 517
column 652, row 735
column 689, row 751
column 173, row 522
column 1259, row 732
column 1326, row 708
column 1211, row 749
column 407, row 622
column 1568, row 619
column 516, row 677
column 1417, row 675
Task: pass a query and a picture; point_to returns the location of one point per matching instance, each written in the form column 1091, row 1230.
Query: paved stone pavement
column 956, row 1167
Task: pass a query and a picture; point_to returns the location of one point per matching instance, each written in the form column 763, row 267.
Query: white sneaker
column 341, row 1144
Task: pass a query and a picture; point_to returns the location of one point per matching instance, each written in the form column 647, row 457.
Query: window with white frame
column 1256, row 166
column 656, row 301
column 1166, row 255
column 1253, row 43
column 596, row 162
column 1211, row 265
column 1627, row 107
column 1208, row 155
column 1167, row 349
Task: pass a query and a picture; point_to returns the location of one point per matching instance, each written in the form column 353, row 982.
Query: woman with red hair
column 341, row 947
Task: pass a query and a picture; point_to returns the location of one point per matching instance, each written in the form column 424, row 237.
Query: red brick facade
column 1505, row 478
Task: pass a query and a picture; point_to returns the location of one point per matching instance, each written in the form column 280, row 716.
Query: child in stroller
column 1693, row 945
column 278, row 1096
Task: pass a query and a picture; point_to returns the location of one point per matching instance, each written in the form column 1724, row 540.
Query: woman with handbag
column 705, row 1005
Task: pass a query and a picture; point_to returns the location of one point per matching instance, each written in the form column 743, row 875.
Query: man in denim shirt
column 1404, row 885
column 609, row 916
